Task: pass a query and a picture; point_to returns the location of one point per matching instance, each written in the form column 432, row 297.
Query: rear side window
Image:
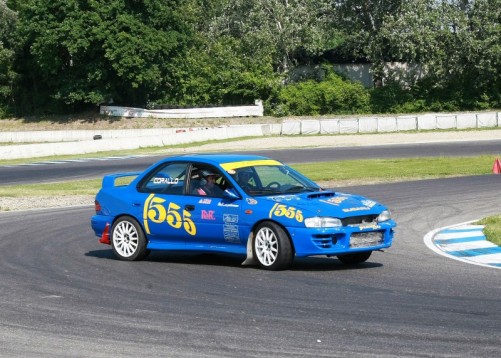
column 166, row 179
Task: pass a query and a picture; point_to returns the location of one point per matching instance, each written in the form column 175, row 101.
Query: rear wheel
column 128, row 240
column 353, row 259
column 272, row 247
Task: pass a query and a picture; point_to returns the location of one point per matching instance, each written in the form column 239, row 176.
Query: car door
column 214, row 216
column 161, row 203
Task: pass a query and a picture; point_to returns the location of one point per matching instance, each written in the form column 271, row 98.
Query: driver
column 209, row 186
column 244, row 176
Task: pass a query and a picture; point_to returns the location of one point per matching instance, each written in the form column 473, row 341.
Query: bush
column 332, row 95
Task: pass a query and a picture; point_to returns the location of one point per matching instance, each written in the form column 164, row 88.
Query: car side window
column 207, row 181
column 167, row 179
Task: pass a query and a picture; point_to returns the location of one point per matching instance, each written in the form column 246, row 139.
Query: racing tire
column 272, row 247
column 128, row 240
column 353, row 259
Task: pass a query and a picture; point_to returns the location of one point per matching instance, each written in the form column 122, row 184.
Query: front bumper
column 336, row 241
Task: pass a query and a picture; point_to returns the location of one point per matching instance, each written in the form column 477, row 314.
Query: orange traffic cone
column 496, row 168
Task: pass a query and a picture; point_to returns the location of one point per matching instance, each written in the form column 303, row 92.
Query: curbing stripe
column 458, row 240
column 464, row 242
column 476, row 252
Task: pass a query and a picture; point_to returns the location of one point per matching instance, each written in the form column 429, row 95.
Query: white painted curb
column 428, row 240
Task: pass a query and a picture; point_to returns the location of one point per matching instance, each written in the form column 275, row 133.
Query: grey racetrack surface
column 63, row 294
column 98, row 168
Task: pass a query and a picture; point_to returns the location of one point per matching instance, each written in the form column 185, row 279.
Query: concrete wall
column 386, row 124
column 82, row 142
column 404, row 73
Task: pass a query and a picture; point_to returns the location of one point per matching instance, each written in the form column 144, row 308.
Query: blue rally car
column 247, row 205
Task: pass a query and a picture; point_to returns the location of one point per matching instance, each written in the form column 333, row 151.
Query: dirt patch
column 96, row 121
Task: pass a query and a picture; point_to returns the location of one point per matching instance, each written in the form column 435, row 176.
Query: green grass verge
column 492, row 229
column 397, row 169
column 361, row 171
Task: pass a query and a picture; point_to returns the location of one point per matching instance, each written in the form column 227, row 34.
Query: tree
column 280, row 30
column 456, row 43
column 361, row 22
column 91, row 52
column 8, row 76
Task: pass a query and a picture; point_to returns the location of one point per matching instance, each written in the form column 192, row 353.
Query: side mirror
column 231, row 193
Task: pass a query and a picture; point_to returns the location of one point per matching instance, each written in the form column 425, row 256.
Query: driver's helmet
column 244, row 174
column 208, row 172
column 205, row 173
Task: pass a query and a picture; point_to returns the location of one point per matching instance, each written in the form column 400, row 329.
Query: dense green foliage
column 70, row 55
column 330, row 95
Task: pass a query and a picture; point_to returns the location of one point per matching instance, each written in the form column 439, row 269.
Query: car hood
column 329, row 203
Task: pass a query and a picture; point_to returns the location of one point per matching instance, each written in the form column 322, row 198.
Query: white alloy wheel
column 272, row 246
column 128, row 240
column 125, row 239
column 266, row 246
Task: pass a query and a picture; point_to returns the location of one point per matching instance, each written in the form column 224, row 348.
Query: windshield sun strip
column 248, row 163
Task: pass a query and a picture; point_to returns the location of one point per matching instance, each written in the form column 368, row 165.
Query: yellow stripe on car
column 248, row 163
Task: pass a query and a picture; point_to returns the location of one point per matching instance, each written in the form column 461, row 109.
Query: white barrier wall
column 329, row 126
column 428, row 121
column 406, row 123
column 488, row 119
column 78, row 142
column 94, row 146
column 446, row 121
column 255, row 110
column 387, row 124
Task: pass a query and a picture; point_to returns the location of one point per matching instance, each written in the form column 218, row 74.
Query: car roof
column 217, row 158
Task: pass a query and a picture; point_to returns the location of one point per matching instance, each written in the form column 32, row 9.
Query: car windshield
column 264, row 180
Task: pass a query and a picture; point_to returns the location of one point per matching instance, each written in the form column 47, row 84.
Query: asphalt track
column 63, row 294
column 46, row 172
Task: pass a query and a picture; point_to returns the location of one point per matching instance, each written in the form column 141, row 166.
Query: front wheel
column 128, row 240
column 272, row 247
column 353, row 259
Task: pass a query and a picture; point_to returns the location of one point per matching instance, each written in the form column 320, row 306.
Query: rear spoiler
column 110, row 180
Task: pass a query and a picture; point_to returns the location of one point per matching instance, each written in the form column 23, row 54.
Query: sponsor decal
column 368, row 203
column 230, row 218
column 335, row 200
column 281, row 198
column 208, row 215
column 157, row 210
column 249, row 163
column 251, row 201
column 372, row 226
column 227, row 205
column 230, row 228
column 358, row 208
column 205, row 201
column 289, row 212
column 165, row 180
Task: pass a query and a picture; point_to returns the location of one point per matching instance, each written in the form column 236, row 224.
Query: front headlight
column 320, row 222
column 384, row 216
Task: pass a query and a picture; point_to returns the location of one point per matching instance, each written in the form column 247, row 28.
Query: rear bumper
column 98, row 223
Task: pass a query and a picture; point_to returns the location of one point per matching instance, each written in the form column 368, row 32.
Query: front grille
column 357, row 220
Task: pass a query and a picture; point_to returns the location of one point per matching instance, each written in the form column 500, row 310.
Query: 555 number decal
column 155, row 211
column 289, row 212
